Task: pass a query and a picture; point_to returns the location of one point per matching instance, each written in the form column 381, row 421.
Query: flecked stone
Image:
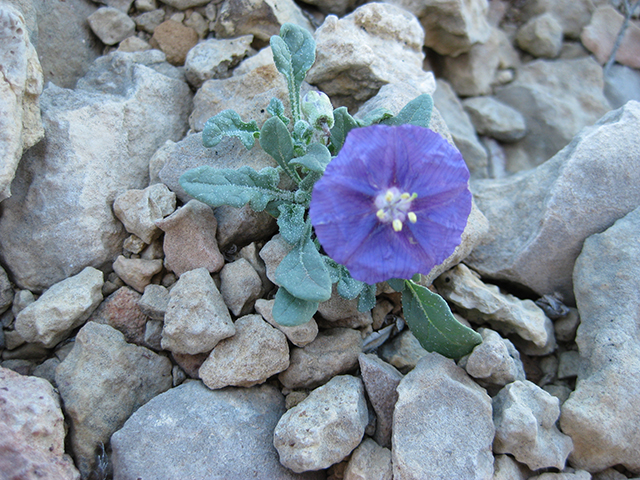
column 63, row 307
column 369, row 461
column 190, row 239
column 300, row 336
column 111, row 25
column 272, row 253
column 495, row 119
column 251, row 254
column 541, row 36
column 568, row 364
column 175, row 40
column 340, row 312
column 6, row 291
column 136, row 272
column 325, row 427
column 573, row 15
column 120, row 310
column 403, row 352
column 256, row 352
column 506, row 468
column 577, row 475
column 133, row 44
column 149, row 21
column 214, row 58
column 333, row 352
column 240, row 286
column 154, row 301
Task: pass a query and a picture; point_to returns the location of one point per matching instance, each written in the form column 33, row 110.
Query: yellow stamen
column 405, row 196
column 397, row 225
column 412, row 217
column 380, row 214
column 389, row 196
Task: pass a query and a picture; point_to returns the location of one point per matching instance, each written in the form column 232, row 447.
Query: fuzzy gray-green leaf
column 229, row 124
column 291, row 222
column 417, row 112
column 344, row 123
column 290, row 311
column 316, row 159
column 275, row 139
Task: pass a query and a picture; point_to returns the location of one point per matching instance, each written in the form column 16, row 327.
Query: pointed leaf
column 416, row 112
column 367, row 299
column 276, row 109
column 290, row 311
column 302, row 49
column 377, row 115
column 276, row 141
column 316, row 159
column 343, row 124
column 229, row 124
column 291, row 222
column 433, row 324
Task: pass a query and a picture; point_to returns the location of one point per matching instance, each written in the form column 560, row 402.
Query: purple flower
column 393, row 203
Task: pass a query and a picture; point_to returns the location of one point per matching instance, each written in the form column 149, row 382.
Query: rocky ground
column 137, row 339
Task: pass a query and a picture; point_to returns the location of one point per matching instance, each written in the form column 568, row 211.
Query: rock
column 495, row 361
column 568, row 364
column 175, row 40
column 138, row 210
column 198, row 23
column 102, row 382
column 190, row 239
column 324, row 428
column 525, row 418
column 149, row 21
column 120, row 310
column 6, row 291
column 272, row 253
column 63, row 307
column 136, row 272
column 375, row 45
column 256, row 352
column 506, row 468
column 541, row 36
column 196, row 318
column 557, row 98
column 333, row 352
column 621, row 85
column 451, row 26
column 495, row 119
column 442, row 426
column 340, row 312
column 481, row 303
column 65, row 186
column 380, row 381
column 251, row 254
column 154, row 301
column 229, row 433
column 462, row 130
column 215, row 58
column 600, row 411
column 601, row 33
column 403, row 352
column 20, row 89
column 337, row 7
column 260, row 18
column 111, row 25
column 559, row 204
column 33, row 430
column 573, row 15
column 577, row 475
column 369, row 461
column 300, row 336
column 240, row 286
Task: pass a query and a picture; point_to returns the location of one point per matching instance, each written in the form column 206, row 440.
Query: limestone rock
column 577, row 475
column 506, row 468
column 340, row 312
column 403, row 352
column 175, row 40
column 525, row 417
column 375, row 45
column 273, row 252
column 240, row 286
column 495, row 119
column 20, row 88
column 300, row 336
column 573, row 15
column 369, row 461
column 229, row 434
column 442, row 425
column 337, row 7
column 325, row 427
column 621, row 85
column 154, row 301
column 136, row 272
column 6, row 291
column 600, row 413
column 256, row 352
column 65, row 186
column 120, row 310
column 111, row 25
column 148, row 21
column 102, row 382
column 196, row 318
column 63, row 307
column 214, row 58
column 540, row 219
column 541, row 36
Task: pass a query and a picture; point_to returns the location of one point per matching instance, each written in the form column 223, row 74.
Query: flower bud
column 318, row 110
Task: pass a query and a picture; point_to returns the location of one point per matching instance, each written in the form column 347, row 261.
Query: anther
column 380, row 214
column 412, row 217
column 397, row 225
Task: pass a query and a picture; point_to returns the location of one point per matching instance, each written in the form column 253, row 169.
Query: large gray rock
column 65, row 186
column 20, row 87
column 539, row 219
column 601, row 414
column 193, row 432
column 442, row 425
column 102, row 382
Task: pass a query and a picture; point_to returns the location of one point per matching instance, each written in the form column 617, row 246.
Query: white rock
column 369, row 461
column 573, row 15
column 495, row 361
column 214, row 58
column 325, row 427
column 196, row 318
column 136, row 272
column 111, row 25
column 240, row 286
column 63, row 307
column 300, row 336
column 541, row 36
column 403, row 352
column 577, row 475
column 525, row 418
column 495, row 119
column 506, row 468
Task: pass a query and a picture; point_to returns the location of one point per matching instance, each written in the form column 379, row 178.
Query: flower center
column 395, row 207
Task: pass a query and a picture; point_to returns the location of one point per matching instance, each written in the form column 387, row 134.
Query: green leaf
column 397, row 284
column 229, row 124
column 291, row 222
column 303, row 273
column 294, row 52
column 225, row 186
column 349, row 287
column 344, row 123
column 276, row 109
column 275, row 139
column 290, row 311
column 377, row 115
column 416, row 112
column 316, row 159
column 367, row 299
column 433, row 324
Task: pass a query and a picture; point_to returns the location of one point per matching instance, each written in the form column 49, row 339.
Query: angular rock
column 149, row 21
column 185, row 4
column 340, row 312
column 33, row 430
column 495, row 119
column 120, row 310
column 481, row 303
column 369, row 461
column 65, row 186
column 573, row 15
column 136, row 272
column 442, row 425
column 63, row 307
column 111, row 25
column 175, row 40
column 577, row 475
column 557, row 98
column 300, row 336
column 541, row 36
column 333, row 352
column 403, row 352
column 102, row 382
column 337, row 7
column 525, row 418
column 214, row 58
column 240, row 286
column 256, row 352
column 20, row 89
column 229, row 433
column 154, row 301
column 272, row 253
column 506, row 468
column 375, row 45
column 196, row 318
column 600, row 413
column 325, row 427
column 621, row 85
column 540, row 219
column 138, row 210
column 6, row 291
column 190, row 239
